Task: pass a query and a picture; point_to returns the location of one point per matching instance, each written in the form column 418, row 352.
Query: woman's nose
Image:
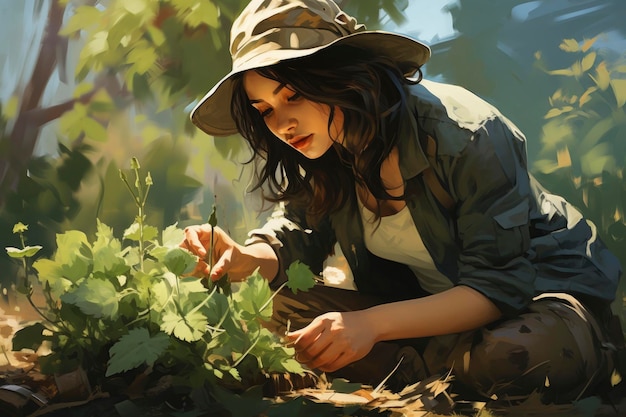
column 286, row 124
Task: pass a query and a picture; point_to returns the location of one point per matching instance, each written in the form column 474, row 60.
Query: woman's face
column 301, row 123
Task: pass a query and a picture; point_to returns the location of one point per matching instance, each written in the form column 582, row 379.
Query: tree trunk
column 19, row 144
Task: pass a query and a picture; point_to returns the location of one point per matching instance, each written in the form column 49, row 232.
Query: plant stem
column 269, row 300
column 247, row 351
column 141, row 249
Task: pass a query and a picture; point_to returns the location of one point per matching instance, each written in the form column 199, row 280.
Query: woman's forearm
column 263, row 256
column 456, row 310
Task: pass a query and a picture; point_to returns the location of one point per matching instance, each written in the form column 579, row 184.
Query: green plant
column 584, row 154
column 117, row 305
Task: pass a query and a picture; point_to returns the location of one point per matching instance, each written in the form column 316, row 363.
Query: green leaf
column 569, row 45
column 252, row 298
column 344, row 386
column 180, row 261
column 135, row 349
column 50, row 274
column 172, row 236
column 20, row 227
column 619, row 90
column 94, row 129
column 133, row 232
column 27, row 252
column 82, row 88
column 204, row 12
column 10, row 108
column 300, row 277
column 588, row 61
column 599, row 158
column 84, row 17
column 73, row 255
column 95, row 297
column 107, row 253
column 157, row 35
column 189, row 327
column 30, row 337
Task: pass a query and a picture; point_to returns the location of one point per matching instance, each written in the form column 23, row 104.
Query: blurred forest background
column 88, row 84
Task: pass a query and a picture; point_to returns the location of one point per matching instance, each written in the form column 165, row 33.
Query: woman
column 461, row 260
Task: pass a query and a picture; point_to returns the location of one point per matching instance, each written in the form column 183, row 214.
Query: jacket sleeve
column 293, row 239
column 490, row 183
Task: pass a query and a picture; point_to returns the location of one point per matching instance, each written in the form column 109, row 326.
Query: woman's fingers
column 197, row 238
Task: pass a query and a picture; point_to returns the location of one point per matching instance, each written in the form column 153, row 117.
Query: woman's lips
column 301, row 142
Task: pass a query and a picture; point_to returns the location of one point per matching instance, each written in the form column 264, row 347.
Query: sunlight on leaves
column 252, row 298
column 26, row 252
column 11, row 107
column 189, row 327
column 588, row 61
column 619, row 90
column 603, row 77
column 83, row 17
column 135, row 349
column 569, row 45
column 94, row 297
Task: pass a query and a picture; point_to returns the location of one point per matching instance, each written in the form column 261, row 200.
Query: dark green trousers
column 556, row 347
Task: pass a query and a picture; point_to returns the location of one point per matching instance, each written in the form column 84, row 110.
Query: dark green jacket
column 504, row 236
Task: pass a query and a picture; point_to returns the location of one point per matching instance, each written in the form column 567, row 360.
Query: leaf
column 156, row 35
column 599, row 158
column 73, row 255
column 569, row 45
column 94, row 129
column 50, row 274
column 10, row 108
column 84, row 17
column 135, row 6
column 300, row 277
column 588, row 61
column 180, row 261
column 344, row 386
column 82, row 88
column 603, row 77
column 189, row 328
column 619, row 90
column 107, row 253
column 588, row 43
column 252, row 298
column 27, row 252
column 172, row 236
column 95, row 297
column 133, row 232
column 204, row 12
column 586, row 96
column 555, row 112
column 135, row 349
column 30, row 337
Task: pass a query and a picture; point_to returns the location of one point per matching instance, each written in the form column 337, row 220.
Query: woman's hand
column 333, row 340
column 229, row 257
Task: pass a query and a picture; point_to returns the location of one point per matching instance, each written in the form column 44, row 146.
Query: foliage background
column 87, row 84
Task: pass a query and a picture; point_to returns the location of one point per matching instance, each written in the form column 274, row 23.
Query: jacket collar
column 412, row 157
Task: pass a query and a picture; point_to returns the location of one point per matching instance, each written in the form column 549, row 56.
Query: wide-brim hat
column 270, row 31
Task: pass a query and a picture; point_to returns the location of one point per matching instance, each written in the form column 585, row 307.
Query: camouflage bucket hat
column 271, row 31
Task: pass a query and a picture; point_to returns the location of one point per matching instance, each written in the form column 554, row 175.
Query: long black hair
column 369, row 89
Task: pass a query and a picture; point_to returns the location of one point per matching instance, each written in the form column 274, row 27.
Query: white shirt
column 397, row 239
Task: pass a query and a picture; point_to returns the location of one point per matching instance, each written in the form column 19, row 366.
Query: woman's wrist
column 260, row 254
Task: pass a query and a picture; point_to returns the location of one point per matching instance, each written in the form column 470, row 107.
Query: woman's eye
column 294, row 97
column 266, row 113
